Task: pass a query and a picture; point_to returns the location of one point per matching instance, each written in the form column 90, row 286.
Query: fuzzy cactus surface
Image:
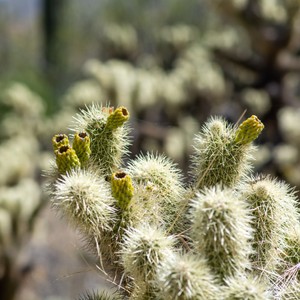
column 224, row 234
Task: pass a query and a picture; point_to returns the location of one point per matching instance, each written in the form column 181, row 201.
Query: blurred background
column 172, row 63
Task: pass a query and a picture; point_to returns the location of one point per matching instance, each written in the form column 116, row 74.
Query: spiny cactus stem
column 205, row 172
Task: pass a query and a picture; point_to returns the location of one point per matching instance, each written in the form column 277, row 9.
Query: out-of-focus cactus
column 225, row 235
column 21, row 124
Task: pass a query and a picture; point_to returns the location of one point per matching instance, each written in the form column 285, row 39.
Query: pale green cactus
column 220, row 157
column 221, row 230
column 86, row 200
column 245, row 287
column 224, row 235
column 108, row 143
column 183, row 277
column 275, row 216
column 142, row 251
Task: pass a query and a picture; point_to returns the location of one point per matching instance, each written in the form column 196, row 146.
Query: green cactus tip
column 66, row 159
column 81, row 145
column 249, row 130
column 117, row 118
column 122, row 189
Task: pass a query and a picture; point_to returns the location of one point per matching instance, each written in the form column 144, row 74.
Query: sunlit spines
column 184, row 277
column 107, row 146
column 221, row 230
column 159, row 182
column 85, row 199
column 142, row 250
column 274, row 214
column 218, row 159
column 245, row 287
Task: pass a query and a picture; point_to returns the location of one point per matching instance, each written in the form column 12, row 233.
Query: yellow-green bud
column 66, row 159
column 81, row 145
column 122, row 189
column 117, row 118
column 60, row 140
column 249, row 130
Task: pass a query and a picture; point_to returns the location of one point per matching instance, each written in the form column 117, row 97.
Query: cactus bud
column 122, row 189
column 66, row 159
column 81, row 145
column 249, row 130
column 59, row 140
column 117, row 118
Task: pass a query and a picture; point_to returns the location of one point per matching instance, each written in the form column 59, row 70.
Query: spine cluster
column 226, row 234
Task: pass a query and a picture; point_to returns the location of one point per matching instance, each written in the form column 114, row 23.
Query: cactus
column 81, row 145
column 109, row 138
column 122, row 189
column 227, row 234
column 221, row 230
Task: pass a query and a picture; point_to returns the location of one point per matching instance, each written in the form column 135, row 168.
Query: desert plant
column 225, row 234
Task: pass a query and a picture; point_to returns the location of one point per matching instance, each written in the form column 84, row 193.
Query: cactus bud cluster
column 226, row 234
column 67, row 157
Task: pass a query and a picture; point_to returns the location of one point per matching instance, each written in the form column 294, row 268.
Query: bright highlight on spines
column 218, row 159
column 225, row 235
column 85, row 199
column 185, row 276
column 221, row 230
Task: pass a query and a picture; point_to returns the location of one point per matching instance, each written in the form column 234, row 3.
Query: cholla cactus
column 223, row 153
column 221, row 230
column 186, row 277
column 122, row 189
column 226, row 235
column 108, row 136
